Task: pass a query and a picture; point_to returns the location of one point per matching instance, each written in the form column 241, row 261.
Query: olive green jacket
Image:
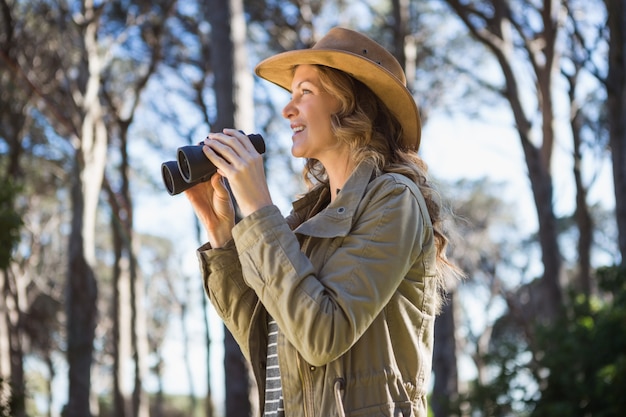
column 351, row 287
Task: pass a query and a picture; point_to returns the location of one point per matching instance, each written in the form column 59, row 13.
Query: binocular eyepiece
column 192, row 166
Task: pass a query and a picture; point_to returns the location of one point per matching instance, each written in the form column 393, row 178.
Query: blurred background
column 102, row 311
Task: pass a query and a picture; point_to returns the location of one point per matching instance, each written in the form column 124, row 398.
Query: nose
column 289, row 110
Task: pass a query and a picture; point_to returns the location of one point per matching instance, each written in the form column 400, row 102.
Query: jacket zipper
column 307, row 391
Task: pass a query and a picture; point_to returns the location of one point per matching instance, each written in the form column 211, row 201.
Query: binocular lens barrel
column 193, row 167
column 193, row 164
column 174, row 182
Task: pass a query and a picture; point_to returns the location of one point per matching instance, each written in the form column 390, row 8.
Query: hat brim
column 278, row 69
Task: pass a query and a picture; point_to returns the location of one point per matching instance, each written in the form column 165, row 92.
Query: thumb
column 217, row 181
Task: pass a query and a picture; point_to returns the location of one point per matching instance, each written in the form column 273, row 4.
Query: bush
column 585, row 354
column 578, row 367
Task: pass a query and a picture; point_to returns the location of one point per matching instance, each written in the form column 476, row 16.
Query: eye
column 306, row 91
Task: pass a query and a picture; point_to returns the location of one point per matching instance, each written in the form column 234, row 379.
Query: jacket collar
column 335, row 219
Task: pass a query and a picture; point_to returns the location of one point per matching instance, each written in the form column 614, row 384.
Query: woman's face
column 309, row 112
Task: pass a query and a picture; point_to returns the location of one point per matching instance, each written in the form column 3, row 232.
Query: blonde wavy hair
column 373, row 133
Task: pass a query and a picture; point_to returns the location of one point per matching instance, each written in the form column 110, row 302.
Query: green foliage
column 10, row 221
column 585, row 354
column 578, row 368
column 507, row 391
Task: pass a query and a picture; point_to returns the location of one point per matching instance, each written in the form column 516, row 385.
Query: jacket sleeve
column 233, row 300
column 324, row 309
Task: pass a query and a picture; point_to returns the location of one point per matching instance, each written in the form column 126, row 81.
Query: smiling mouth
column 297, row 129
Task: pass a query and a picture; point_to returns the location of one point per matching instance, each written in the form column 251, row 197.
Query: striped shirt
column 273, row 390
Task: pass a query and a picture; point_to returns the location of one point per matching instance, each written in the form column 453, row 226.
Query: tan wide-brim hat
column 363, row 59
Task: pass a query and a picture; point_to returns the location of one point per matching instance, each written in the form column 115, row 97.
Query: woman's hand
column 236, row 159
column 212, row 204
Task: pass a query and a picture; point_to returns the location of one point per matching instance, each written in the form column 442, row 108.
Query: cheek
column 329, row 120
column 334, row 105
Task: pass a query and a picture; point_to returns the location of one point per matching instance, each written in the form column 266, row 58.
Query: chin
column 296, row 152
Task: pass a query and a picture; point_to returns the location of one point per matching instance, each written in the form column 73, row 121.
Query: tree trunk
column 616, row 91
column 583, row 220
column 233, row 83
column 81, row 309
column 233, row 92
column 184, row 306
column 88, row 171
column 120, row 331
column 49, row 389
column 496, row 34
column 400, row 29
column 239, row 385
column 117, row 374
column 446, row 386
column 208, row 402
column 141, row 404
column 582, row 215
column 12, row 354
column 5, row 325
column 138, row 332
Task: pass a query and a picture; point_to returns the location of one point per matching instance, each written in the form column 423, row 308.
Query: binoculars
column 192, row 166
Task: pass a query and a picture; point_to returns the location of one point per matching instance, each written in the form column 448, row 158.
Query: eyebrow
column 299, row 85
column 304, row 81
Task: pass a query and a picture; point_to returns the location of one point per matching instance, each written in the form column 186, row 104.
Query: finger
column 222, row 155
column 236, row 140
column 242, row 139
column 231, row 141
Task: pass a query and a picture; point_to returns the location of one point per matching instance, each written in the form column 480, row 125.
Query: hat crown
column 344, row 40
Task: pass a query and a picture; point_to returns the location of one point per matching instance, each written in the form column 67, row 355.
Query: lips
column 297, row 128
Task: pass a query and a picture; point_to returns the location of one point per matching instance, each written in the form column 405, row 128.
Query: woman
column 334, row 306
